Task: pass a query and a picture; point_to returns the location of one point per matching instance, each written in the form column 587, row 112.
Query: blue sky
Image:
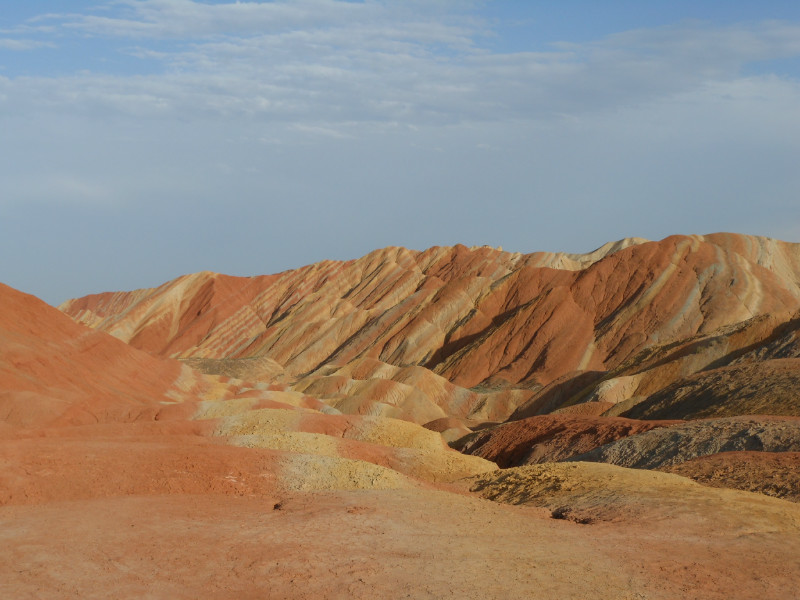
column 144, row 139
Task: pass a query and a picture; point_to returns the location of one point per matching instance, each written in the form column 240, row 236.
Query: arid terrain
column 452, row 423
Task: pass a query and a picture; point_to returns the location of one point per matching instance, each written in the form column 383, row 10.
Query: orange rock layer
column 128, row 422
column 478, row 316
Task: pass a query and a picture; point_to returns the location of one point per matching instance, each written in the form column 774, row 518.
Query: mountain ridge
column 475, row 316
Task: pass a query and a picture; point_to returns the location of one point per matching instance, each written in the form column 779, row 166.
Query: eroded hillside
column 479, row 334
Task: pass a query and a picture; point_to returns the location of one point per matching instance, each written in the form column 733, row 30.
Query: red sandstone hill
column 84, row 415
column 685, row 328
column 128, row 475
column 56, row 372
column 593, row 334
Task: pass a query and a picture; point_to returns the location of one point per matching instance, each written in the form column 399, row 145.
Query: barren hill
column 608, row 328
column 63, row 380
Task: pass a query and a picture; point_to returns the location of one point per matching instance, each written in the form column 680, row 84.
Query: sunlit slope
column 629, row 318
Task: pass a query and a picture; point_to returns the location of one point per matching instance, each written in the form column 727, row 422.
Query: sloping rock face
column 83, row 414
column 549, row 438
column 759, row 346
column 56, row 372
column 770, row 473
column 674, row 445
column 470, row 315
column 770, row 387
column 690, row 327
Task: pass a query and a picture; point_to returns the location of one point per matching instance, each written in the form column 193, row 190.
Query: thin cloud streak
column 377, row 69
column 24, row 45
column 184, row 19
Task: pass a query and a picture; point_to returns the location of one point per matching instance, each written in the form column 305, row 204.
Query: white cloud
column 22, row 45
column 188, row 19
column 320, row 62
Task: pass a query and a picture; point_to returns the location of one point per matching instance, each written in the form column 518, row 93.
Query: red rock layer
column 745, row 368
column 56, row 372
column 550, row 438
column 128, row 422
column 471, row 315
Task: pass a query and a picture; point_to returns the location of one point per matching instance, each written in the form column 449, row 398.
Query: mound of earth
column 668, row 446
column 388, row 443
column 771, row 473
column 55, row 372
column 258, row 368
column 633, row 512
column 770, row 387
column 659, row 370
column 589, row 493
column 549, row 438
column 132, row 423
column 449, row 428
column 471, row 315
column 369, row 386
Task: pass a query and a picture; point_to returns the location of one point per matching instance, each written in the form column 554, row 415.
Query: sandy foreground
column 207, row 521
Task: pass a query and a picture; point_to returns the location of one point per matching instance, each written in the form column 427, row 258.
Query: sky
column 144, row 139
